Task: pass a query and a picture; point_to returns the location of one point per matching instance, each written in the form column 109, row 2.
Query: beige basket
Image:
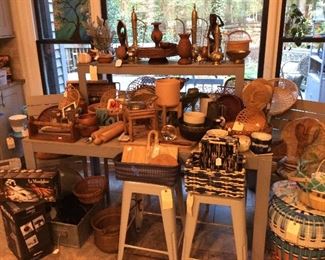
column 285, row 94
column 312, row 197
column 71, row 94
column 237, row 42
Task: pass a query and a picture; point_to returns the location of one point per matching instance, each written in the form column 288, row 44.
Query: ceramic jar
column 168, row 92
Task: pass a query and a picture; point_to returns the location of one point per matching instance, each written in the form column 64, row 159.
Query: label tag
column 238, row 126
column 10, row 143
column 218, row 161
column 93, row 72
column 167, row 199
column 189, row 204
column 292, row 231
column 118, row 63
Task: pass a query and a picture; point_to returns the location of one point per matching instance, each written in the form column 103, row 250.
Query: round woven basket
column 106, row 225
column 71, row 94
column 91, row 189
column 238, row 40
column 285, row 94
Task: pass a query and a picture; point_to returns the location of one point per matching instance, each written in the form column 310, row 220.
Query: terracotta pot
column 87, row 119
column 168, row 92
column 184, row 49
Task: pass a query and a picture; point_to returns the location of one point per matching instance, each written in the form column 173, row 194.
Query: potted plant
column 101, row 40
column 297, row 25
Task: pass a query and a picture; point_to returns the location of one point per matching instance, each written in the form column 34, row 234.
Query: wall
column 23, row 47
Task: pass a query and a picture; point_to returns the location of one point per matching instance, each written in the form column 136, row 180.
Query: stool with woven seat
column 166, row 198
column 238, row 213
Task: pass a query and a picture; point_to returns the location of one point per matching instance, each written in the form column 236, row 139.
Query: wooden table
column 261, row 163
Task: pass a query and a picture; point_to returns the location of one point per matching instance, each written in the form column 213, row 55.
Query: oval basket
column 106, row 225
column 148, row 173
column 91, row 189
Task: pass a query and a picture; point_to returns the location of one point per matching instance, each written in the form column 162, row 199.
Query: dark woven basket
column 91, row 189
column 148, row 173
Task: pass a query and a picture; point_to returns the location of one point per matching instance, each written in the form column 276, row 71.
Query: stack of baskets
column 297, row 232
column 217, row 169
column 91, row 189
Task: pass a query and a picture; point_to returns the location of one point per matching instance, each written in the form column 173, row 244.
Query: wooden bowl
column 87, row 119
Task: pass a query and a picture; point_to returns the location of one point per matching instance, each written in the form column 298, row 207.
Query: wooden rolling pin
column 109, row 133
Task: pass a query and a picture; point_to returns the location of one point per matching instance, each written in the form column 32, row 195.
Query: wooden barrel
column 301, row 228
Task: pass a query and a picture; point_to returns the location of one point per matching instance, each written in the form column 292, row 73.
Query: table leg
column 94, row 166
column 261, row 208
column 29, row 155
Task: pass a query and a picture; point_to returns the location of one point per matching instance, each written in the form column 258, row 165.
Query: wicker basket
column 91, row 189
column 309, row 231
column 238, row 41
column 308, row 193
column 285, row 94
column 220, row 183
column 282, row 250
column 148, row 173
column 106, row 225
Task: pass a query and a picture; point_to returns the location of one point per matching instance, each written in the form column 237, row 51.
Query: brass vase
column 156, row 34
column 184, row 49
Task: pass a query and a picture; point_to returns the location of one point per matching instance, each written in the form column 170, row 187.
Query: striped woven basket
column 295, row 226
column 213, row 182
column 282, row 250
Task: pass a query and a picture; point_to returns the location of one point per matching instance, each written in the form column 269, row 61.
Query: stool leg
column 106, row 172
column 169, row 221
column 180, row 201
column 239, row 225
column 190, row 225
column 126, row 202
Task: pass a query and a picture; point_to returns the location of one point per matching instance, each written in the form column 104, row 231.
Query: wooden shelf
column 143, row 68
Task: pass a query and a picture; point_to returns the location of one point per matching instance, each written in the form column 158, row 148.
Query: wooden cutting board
column 134, row 154
column 137, row 153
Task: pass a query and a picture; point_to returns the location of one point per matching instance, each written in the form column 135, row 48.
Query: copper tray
column 158, row 55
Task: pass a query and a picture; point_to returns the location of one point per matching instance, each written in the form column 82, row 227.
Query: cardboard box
column 3, row 77
column 74, row 234
column 29, row 185
column 27, row 227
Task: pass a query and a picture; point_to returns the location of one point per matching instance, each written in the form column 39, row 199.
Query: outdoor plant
column 297, row 25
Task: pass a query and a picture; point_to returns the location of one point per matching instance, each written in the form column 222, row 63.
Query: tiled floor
column 210, row 241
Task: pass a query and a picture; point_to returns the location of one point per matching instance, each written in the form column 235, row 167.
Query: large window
column 62, row 35
column 245, row 15
column 301, row 56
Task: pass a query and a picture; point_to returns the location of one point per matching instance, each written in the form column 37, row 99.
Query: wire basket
column 285, row 95
column 91, row 189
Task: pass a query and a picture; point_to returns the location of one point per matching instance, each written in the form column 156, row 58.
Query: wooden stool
column 238, row 213
column 130, row 117
column 166, row 199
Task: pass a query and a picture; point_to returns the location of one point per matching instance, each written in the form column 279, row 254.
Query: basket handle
column 320, row 165
column 242, row 31
column 153, row 134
